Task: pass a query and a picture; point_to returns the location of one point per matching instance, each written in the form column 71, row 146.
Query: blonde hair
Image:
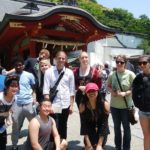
column 45, row 61
column 83, row 52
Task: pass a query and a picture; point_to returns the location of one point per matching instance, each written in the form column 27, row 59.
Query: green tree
column 144, row 24
column 120, row 18
column 145, row 44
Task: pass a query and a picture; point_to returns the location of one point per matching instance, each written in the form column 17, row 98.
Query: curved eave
column 141, row 35
column 53, row 10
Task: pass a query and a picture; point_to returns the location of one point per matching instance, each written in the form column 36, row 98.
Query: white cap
column 107, row 62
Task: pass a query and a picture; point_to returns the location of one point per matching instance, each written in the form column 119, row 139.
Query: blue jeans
column 120, row 116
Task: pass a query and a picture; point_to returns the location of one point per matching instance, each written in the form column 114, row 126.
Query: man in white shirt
column 64, row 99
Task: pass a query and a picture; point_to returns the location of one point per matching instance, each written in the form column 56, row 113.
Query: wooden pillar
column 32, row 49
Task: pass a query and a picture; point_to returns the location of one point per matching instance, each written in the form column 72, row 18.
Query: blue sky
column 136, row 7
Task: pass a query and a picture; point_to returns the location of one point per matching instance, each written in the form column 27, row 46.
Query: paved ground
column 75, row 140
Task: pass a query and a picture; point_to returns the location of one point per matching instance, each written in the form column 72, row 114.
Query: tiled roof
column 13, row 7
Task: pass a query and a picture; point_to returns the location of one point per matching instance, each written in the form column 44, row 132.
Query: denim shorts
column 144, row 114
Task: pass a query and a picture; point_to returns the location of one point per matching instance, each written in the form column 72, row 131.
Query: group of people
column 34, row 82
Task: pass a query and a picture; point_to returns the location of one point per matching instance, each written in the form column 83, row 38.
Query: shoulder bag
column 53, row 90
column 131, row 110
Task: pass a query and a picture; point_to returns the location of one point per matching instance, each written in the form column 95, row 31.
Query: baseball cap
column 91, row 86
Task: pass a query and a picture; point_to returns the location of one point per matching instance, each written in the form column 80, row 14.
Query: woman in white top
column 7, row 98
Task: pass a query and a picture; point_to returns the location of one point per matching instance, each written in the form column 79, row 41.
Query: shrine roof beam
column 63, row 34
column 58, row 42
column 78, row 27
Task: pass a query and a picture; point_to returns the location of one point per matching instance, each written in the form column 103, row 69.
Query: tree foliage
column 145, row 45
column 117, row 17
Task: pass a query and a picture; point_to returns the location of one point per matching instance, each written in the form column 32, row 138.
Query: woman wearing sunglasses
column 141, row 97
column 118, row 106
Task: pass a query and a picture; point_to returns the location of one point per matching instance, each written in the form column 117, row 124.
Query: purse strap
column 121, row 89
column 57, row 82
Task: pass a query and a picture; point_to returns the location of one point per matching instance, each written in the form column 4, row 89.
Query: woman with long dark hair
column 94, row 114
column 141, row 97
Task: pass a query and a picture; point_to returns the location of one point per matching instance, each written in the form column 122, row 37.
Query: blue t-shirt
column 2, row 85
column 26, row 81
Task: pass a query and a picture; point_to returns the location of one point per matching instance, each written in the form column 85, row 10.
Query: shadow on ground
column 20, row 147
column 107, row 147
column 23, row 133
column 74, row 145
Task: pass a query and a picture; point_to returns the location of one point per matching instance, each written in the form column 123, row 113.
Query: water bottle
column 3, row 128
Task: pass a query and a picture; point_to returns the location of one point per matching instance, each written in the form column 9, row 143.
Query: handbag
column 131, row 110
column 53, row 90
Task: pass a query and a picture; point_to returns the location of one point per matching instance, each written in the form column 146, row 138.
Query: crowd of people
column 53, row 91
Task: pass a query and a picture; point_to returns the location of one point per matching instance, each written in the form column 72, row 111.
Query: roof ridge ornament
column 32, row 4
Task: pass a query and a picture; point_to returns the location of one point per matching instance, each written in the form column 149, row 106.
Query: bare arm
column 71, row 104
column 82, row 88
column 72, row 91
column 56, row 135
column 10, row 71
column 106, row 107
column 114, row 93
column 88, row 145
column 99, row 144
column 34, row 96
column 33, row 133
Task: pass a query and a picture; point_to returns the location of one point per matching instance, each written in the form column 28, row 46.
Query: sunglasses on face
column 142, row 63
column 120, row 62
